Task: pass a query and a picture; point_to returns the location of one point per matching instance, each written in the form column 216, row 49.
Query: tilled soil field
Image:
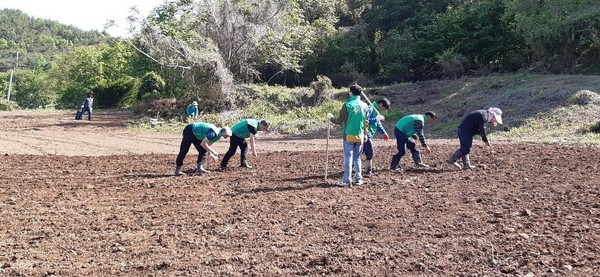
column 526, row 210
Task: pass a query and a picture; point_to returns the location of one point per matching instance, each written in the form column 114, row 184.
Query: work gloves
column 330, row 116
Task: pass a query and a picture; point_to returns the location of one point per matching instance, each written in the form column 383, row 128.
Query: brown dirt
column 91, row 198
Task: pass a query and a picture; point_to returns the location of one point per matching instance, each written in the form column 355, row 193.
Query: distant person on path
column 244, row 129
column 202, row 136
column 408, row 128
column 192, row 110
column 87, row 105
column 375, row 126
column 474, row 124
column 353, row 115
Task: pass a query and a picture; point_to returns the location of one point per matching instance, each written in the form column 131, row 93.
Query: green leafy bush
column 114, row 95
column 8, row 105
column 595, row 128
column 321, row 88
column 152, row 87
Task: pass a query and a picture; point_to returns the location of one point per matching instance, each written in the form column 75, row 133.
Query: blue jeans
column 401, row 142
column 88, row 110
column 352, row 151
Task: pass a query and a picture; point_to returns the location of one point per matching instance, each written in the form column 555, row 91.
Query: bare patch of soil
column 524, row 209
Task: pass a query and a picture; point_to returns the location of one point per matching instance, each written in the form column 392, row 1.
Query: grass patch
column 537, row 108
column 447, row 127
column 561, row 125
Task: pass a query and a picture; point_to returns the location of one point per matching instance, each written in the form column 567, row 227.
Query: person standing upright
column 375, row 126
column 87, row 105
column 353, row 115
column 244, row 129
column 473, row 124
column 408, row 128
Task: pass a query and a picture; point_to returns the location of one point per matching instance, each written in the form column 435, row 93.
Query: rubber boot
column 453, row 160
column 369, row 168
column 418, row 161
column 245, row 165
column 200, row 169
column 467, row 162
column 179, row 171
column 395, row 166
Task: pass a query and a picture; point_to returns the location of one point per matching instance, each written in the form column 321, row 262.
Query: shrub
column 72, row 98
column 163, row 108
column 452, row 63
column 116, row 94
column 151, row 87
column 595, row 128
column 8, row 105
column 321, row 88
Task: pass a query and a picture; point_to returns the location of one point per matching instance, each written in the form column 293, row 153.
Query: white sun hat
column 495, row 113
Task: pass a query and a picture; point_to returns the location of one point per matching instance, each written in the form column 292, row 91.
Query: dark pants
column 466, row 141
column 186, row 142
column 234, row 143
column 401, row 142
column 368, row 149
column 88, row 110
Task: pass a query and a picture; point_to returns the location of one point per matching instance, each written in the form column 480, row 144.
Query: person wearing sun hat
column 192, row 110
column 473, row 124
column 202, row 135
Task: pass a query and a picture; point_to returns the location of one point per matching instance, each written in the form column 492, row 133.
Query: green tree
column 559, row 32
column 152, row 87
column 32, row 89
column 217, row 43
column 101, row 67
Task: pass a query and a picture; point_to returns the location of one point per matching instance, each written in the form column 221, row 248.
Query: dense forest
column 206, row 49
column 38, row 40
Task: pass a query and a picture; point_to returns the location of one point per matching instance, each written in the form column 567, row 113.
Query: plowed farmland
column 92, row 198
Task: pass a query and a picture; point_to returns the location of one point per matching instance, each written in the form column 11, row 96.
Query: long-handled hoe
column 327, row 150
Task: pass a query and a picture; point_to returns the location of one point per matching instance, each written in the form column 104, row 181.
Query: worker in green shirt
column 244, row 129
column 202, row 135
column 353, row 116
column 408, row 128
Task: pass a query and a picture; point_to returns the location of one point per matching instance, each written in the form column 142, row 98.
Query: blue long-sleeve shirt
column 374, row 124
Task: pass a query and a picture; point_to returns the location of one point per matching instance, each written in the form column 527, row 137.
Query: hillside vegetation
column 537, row 108
column 38, row 40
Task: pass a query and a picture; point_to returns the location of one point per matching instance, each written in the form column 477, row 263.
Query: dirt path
column 57, row 133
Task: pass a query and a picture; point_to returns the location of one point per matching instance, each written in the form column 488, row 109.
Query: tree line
column 204, row 49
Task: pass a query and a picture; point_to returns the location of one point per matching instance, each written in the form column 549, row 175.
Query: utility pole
column 10, row 80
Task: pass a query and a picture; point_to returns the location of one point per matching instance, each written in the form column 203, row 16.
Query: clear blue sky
column 84, row 14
